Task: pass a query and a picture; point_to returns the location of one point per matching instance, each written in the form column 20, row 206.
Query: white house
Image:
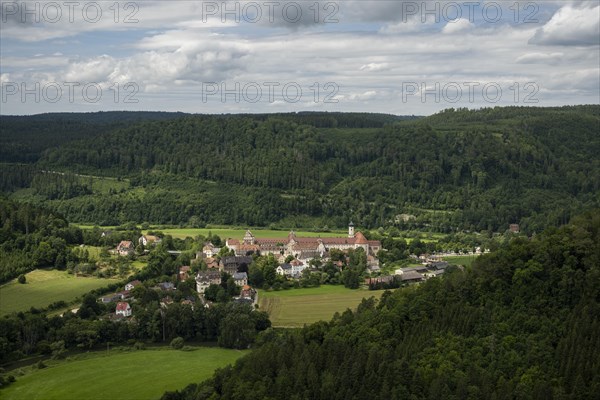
column 206, row 278
column 123, row 309
column 240, row 278
column 132, row 285
column 209, row 250
column 146, row 240
column 297, row 267
column 284, row 269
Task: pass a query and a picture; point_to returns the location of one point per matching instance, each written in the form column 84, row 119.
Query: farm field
column 141, row 374
column 45, row 287
column 225, row 233
column 296, row 307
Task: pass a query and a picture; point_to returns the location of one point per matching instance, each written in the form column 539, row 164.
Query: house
column 248, row 292
column 188, row 302
column 110, row 298
column 209, row 250
column 380, row 279
column 184, row 272
column 284, row 269
column 234, row 264
column 125, row 294
column 514, row 228
column 240, row 278
column 297, row 267
column 411, row 277
column 149, row 240
column 132, row 285
column 206, row 278
column 125, row 248
column 166, row 301
column 437, row 266
column 123, row 309
column 211, row 262
column 166, row 286
column 419, row 269
column 434, row 273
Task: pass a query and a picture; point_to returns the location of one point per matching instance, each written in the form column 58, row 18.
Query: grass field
column 44, row 287
column 296, row 307
column 225, row 233
column 142, row 374
column 461, row 260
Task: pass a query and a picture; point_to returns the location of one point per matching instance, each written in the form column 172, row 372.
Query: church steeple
column 350, row 230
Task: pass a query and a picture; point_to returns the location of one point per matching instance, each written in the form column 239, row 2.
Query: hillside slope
column 522, row 323
column 483, row 169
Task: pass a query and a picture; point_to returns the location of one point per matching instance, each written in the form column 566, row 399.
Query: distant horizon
column 294, row 112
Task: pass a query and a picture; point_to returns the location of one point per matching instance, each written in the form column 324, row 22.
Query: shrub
column 139, row 346
column 22, row 279
column 177, row 343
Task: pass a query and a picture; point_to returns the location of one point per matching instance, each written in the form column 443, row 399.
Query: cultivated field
column 141, row 374
column 45, row 287
column 296, row 307
column 225, row 233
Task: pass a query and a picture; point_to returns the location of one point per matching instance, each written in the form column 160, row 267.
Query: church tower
column 350, row 230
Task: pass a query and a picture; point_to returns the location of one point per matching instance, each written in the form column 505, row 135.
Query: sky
column 399, row 57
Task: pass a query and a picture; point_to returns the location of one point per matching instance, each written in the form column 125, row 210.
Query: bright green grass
column 43, row 288
column 296, row 307
column 225, row 233
column 461, row 260
column 142, row 374
column 93, row 251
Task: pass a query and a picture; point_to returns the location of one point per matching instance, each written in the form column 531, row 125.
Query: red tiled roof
column 122, row 306
column 359, row 238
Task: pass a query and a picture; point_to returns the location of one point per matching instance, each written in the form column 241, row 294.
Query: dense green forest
column 521, row 323
column 464, row 169
column 33, row 237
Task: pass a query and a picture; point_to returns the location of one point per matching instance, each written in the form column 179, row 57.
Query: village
column 296, row 257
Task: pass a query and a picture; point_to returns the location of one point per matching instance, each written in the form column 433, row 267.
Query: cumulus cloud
column 371, row 67
column 571, row 26
column 540, row 58
column 369, row 54
column 458, row 26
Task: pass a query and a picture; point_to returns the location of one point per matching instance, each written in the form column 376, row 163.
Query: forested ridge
column 521, row 323
column 482, row 169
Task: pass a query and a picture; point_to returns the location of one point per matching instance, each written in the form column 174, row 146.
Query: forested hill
column 522, row 323
column 465, row 169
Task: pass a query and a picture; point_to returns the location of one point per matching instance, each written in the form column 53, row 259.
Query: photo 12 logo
column 452, row 11
column 270, row 11
column 54, row 92
column 471, row 92
column 52, row 12
column 271, row 92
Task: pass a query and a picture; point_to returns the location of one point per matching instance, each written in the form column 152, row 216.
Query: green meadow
column 45, row 287
column 141, row 374
column 296, row 307
column 235, row 233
